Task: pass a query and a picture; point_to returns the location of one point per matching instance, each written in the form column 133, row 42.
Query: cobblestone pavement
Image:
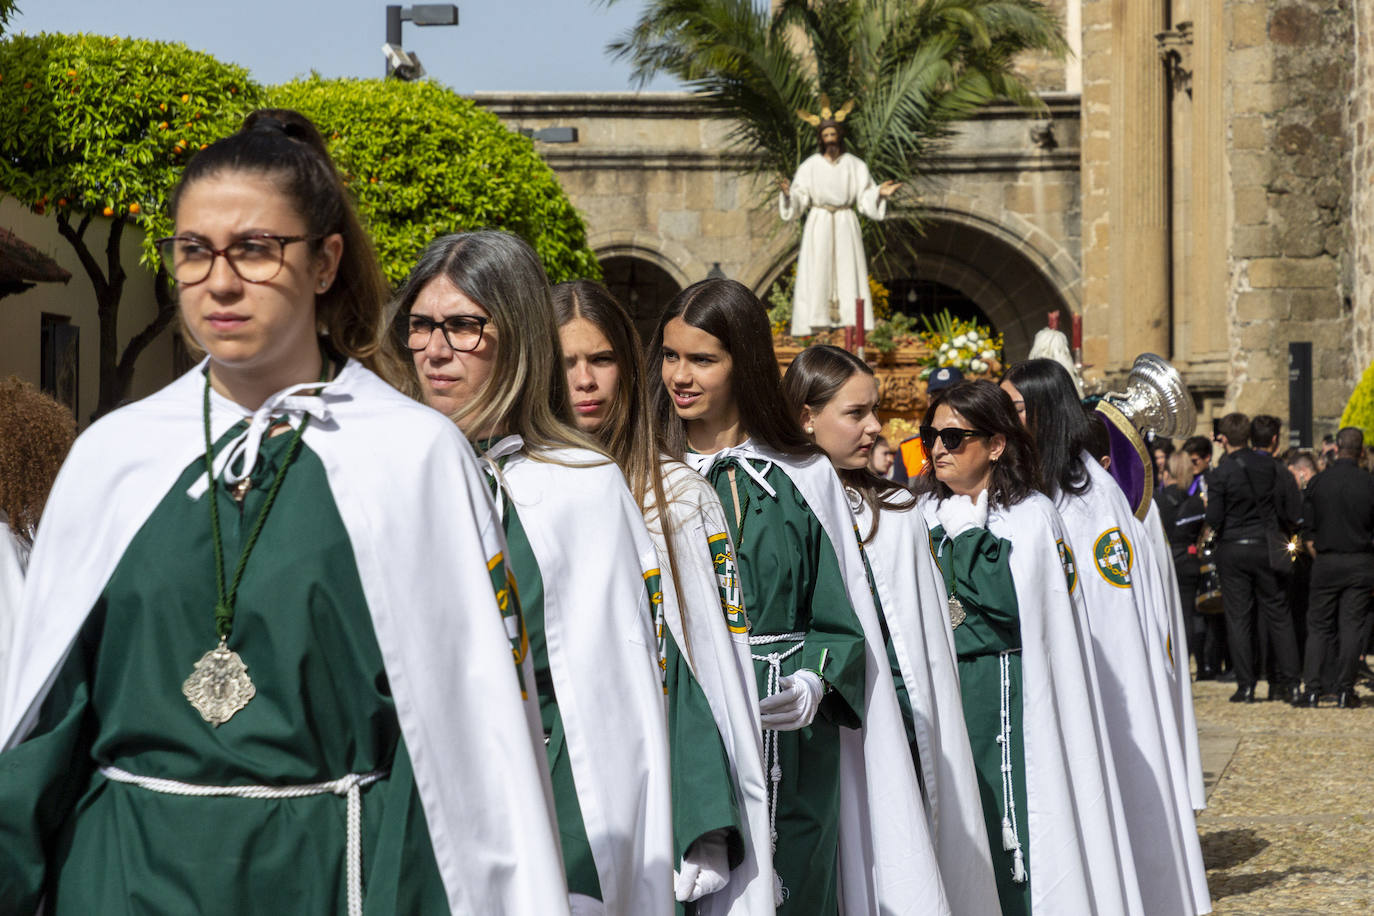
column 1289, row 825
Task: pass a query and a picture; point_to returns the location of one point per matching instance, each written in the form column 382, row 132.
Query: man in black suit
column 1264, row 440
column 1338, row 519
column 1251, row 500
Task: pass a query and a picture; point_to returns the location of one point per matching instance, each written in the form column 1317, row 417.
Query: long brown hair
column 813, row 380
column 988, row 408
column 36, row 433
column 729, row 312
column 628, row 433
column 286, row 147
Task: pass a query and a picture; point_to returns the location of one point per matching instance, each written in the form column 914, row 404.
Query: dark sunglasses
column 951, row 436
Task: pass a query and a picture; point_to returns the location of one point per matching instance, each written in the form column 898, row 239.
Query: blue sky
column 545, row 45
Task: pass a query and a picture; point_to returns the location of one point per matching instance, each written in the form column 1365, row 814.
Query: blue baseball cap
column 943, row 378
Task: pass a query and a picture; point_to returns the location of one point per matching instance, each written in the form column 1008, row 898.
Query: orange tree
column 97, row 126
column 423, row 161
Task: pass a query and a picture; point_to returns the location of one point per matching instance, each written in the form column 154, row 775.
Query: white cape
column 603, row 657
column 911, row 592
column 887, row 861
column 720, row 659
column 1120, row 604
column 1077, row 863
column 831, row 265
column 12, row 561
column 478, row 771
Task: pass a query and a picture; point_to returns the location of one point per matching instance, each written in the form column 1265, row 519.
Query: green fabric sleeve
column 41, row 780
column 835, row 642
column 703, row 792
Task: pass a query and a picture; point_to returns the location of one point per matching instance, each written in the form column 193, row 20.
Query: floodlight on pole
column 421, row 14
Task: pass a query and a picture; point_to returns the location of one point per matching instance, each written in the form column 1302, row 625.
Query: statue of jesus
column 832, row 273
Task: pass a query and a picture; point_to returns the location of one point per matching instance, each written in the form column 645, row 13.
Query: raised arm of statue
column 872, row 202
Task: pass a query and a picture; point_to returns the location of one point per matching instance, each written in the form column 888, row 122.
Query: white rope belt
column 349, row 786
column 1011, row 840
column 771, row 757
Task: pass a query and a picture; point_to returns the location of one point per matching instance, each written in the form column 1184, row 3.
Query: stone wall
column 1289, row 75
column 1362, row 158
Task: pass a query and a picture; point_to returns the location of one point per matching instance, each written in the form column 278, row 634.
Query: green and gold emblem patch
column 508, row 601
column 727, row 576
column 1070, row 567
column 1112, row 555
column 653, row 583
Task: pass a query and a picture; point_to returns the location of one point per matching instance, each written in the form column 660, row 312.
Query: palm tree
column 914, row 67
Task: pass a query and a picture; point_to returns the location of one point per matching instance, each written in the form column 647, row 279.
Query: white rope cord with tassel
column 771, row 757
column 1011, row 841
column 349, row 786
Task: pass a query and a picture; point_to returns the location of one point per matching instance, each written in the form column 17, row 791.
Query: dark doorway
column 914, row 296
column 643, row 287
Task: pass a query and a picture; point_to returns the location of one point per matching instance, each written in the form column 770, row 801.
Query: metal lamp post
column 421, row 14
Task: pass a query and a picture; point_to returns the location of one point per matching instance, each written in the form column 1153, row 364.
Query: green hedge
column 1359, row 410
column 423, row 161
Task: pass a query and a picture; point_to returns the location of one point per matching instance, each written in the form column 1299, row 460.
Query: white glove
column 795, row 704
column 705, row 868
column 958, row 514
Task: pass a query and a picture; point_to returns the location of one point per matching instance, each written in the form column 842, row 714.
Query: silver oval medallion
column 219, row 685
column 956, row 612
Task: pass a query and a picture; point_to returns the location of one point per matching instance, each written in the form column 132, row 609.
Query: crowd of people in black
column 1275, row 559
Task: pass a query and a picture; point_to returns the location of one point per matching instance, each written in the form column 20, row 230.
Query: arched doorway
column 643, row 287
column 977, row 269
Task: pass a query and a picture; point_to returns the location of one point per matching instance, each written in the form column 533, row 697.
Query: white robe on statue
column 914, row 604
column 831, row 269
column 715, row 641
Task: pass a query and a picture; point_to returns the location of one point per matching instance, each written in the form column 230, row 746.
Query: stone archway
column 641, row 283
column 1003, row 266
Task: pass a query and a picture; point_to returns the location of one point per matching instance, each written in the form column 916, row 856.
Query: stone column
column 1138, row 195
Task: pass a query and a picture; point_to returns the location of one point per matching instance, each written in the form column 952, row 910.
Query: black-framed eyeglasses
column 461, row 332
column 254, row 258
column 952, row 436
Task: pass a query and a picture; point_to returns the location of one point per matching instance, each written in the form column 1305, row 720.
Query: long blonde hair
column 527, row 391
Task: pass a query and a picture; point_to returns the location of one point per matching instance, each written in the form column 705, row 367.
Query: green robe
column 792, row 583
column 977, row 569
column 703, row 797
column 323, row 709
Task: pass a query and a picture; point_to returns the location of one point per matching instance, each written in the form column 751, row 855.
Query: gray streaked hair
column 527, row 391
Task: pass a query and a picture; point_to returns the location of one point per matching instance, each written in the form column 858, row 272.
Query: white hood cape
column 1180, row 681
column 478, row 770
column 1077, row 863
column 12, row 557
column 912, row 594
column 1117, row 592
column 888, row 865
column 720, row 659
column 594, row 554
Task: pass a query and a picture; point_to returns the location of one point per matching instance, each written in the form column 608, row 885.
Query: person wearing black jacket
column 1181, row 514
column 1338, row 520
column 1250, row 498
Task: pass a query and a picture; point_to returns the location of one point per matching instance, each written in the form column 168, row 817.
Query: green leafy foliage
column 101, row 125
column 422, row 162
column 892, row 332
column 1359, row 410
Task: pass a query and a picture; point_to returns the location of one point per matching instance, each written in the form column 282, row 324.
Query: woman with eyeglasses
column 1126, row 617
column 243, row 683
column 719, row 800
column 843, row 797
column 1028, row 695
column 476, row 317
column 834, row 394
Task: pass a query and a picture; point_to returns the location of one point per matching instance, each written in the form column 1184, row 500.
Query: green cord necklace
column 219, row 685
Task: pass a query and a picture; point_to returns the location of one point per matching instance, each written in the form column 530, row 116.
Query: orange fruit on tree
column 108, row 211
column 71, row 73
column 162, row 126
column 135, row 209
column 162, row 106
